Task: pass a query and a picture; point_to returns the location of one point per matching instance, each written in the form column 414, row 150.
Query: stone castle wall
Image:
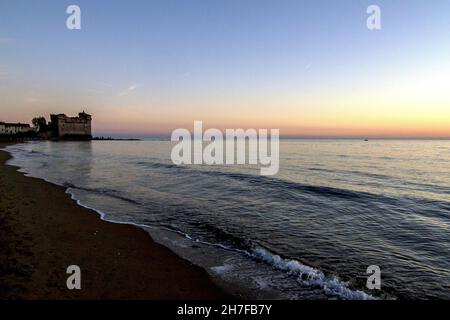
column 72, row 126
column 68, row 127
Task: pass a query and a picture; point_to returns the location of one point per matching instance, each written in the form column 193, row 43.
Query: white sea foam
column 305, row 275
column 223, row 269
column 310, row 276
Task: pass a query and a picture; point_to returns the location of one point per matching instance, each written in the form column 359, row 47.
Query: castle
column 64, row 127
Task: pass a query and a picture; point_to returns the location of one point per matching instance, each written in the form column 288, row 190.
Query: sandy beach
column 43, row 231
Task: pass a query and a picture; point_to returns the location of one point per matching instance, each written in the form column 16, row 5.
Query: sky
column 308, row 68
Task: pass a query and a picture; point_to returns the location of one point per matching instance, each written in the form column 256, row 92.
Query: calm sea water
column 310, row 232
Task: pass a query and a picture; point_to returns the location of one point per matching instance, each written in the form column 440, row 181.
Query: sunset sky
column 309, row 68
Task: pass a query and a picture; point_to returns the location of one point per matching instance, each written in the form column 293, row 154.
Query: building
column 65, row 127
column 14, row 128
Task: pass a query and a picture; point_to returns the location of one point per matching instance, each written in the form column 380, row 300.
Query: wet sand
column 43, row 231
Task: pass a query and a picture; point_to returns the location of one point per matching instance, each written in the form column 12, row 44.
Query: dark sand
column 43, row 231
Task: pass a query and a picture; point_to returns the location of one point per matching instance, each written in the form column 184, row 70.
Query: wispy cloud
column 32, row 99
column 35, row 96
column 128, row 90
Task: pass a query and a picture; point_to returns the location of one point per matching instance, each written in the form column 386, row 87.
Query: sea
column 336, row 210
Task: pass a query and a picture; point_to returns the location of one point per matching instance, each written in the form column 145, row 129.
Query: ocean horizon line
column 166, row 137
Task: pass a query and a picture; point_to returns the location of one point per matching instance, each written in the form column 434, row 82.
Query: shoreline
column 43, row 231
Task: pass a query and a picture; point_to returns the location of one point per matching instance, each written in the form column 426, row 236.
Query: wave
column 294, row 188
column 265, row 181
column 103, row 191
column 310, row 276
column 305, row 275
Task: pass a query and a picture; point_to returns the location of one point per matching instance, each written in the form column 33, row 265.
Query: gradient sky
column 309, row 68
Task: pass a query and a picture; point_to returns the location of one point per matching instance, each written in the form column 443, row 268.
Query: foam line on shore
column 55, row 231
column 305, row 275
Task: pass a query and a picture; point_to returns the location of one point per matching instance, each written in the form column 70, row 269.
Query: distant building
column 65, row 127
column 14, row 128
